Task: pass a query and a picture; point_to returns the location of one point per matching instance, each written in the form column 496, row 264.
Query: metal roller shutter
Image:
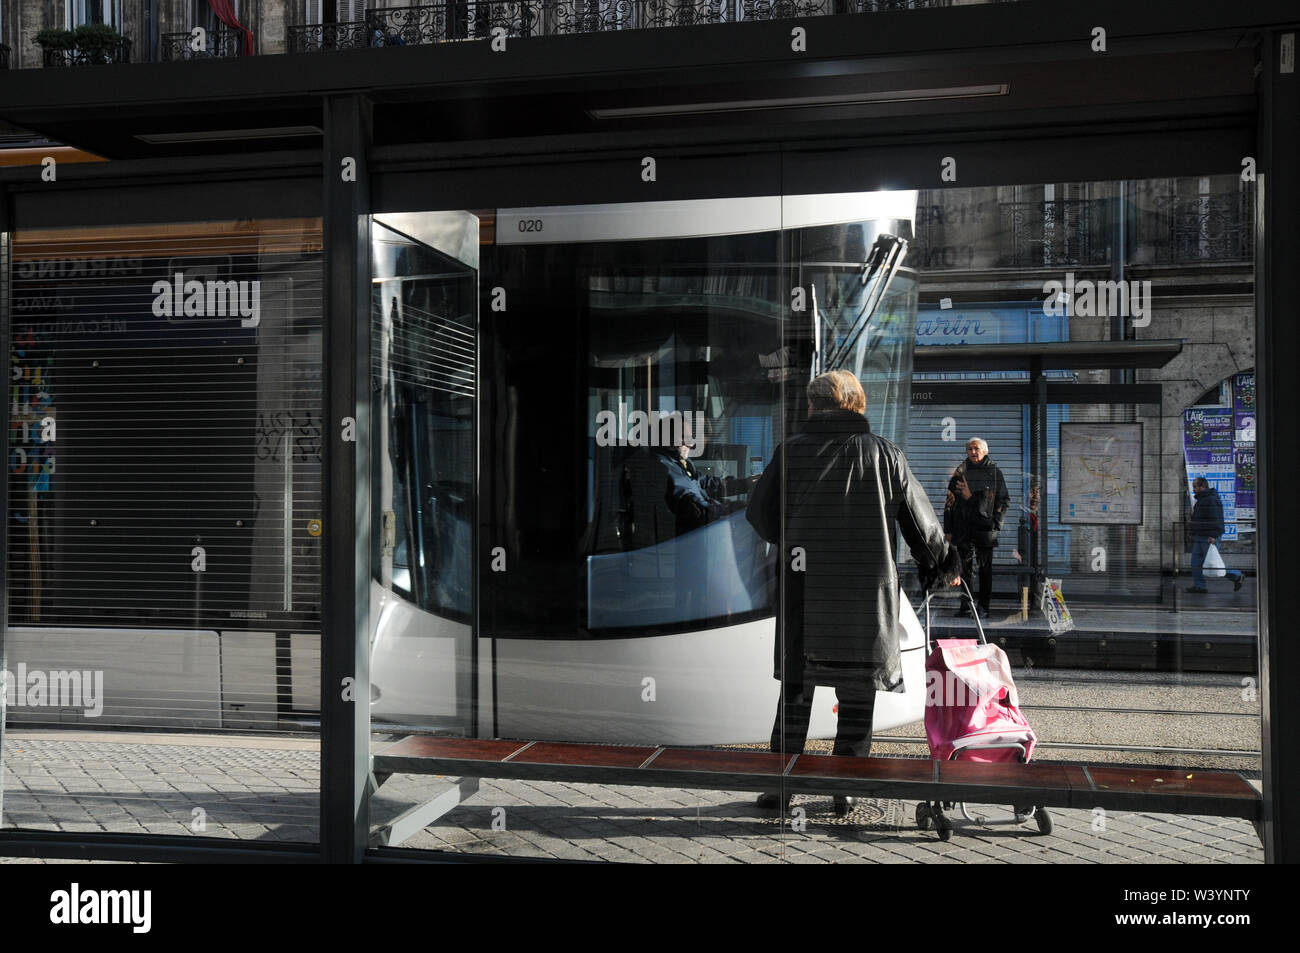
column 165, row 467
column 933, row 459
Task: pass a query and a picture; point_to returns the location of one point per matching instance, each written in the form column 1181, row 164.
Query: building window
column 80, row 12
column 334, row 11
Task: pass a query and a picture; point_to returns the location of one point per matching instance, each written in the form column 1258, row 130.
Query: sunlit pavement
column 265, row 788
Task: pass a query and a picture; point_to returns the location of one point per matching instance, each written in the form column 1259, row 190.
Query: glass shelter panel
column 674, row 493
column 164, row 489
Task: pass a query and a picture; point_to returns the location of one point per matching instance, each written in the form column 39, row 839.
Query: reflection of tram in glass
column 539, row 574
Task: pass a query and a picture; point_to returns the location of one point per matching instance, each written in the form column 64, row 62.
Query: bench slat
column 1213, row 793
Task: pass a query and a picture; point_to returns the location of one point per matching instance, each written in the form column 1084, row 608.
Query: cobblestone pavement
column 266, row 789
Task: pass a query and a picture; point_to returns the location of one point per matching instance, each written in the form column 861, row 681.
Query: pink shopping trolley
column 972, row 712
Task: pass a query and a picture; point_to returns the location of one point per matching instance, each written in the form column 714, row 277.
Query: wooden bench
column 1081, row 786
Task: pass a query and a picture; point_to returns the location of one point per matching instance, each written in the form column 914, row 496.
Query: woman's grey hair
column 978, row 441
column 836, row 390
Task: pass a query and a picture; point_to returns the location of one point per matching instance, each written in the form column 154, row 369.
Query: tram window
column 424, row 356
column 656, row 345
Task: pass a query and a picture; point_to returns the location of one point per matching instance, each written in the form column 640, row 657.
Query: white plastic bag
column 1213, row 565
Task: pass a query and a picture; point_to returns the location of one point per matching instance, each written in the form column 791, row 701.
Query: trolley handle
column 970, row 597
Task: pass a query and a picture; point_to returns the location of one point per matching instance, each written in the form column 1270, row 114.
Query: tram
column 534, row 367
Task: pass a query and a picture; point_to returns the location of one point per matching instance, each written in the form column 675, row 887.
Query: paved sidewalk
column 266, row 789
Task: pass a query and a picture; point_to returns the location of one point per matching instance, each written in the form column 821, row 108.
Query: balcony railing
column 1166, row 227
column 1054, row 233
column 454, row 20
column 119, row 52
column 318, row 37
column 1190, row 228
column 215, row 43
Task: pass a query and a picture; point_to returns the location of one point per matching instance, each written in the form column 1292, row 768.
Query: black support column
column 345, row 670
column 5, row 330
column 1277, row 294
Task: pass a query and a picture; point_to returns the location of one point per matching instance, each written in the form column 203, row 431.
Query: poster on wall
column 1243, row 409
column 1208, row 450
column 1101, row 473
column 1244, row 460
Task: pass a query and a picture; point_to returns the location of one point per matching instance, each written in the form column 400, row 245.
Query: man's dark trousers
column 969, row 553
column 856, row 691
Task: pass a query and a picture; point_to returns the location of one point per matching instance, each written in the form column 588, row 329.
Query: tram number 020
column 530, row 224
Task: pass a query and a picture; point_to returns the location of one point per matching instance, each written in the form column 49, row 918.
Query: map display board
column 1101, row 474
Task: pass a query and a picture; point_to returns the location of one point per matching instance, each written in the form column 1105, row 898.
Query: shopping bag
column 1213, row 565
column 1055, row 611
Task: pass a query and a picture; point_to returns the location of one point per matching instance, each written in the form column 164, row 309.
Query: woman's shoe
column 768, row 801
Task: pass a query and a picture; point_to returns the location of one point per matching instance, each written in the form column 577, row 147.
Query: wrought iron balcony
column 1193, row 228
column 119, row 52
column 1166, row 226
column 318, row 37
column 216, row 43
column 1054, row 233
column 453, row 20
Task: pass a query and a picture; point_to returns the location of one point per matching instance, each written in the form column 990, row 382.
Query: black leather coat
column 845, row 490
column 979, row 519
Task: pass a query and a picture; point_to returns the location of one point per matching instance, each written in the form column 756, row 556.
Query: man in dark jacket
column 844, row 491
column 972, row 519
column 1206, row 526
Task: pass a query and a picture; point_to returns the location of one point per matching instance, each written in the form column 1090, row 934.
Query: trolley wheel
column 1044, row 820
column 944, row 827
column 924, row 817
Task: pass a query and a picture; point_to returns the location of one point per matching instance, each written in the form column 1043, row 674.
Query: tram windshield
column 632, row 367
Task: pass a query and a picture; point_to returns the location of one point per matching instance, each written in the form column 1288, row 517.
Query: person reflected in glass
column 1027, row 530
column 697, row 498
column 1206, row 525
column 973, row 519
column 844, row 491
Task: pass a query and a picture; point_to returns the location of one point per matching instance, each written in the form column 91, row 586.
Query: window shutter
column 351, row 11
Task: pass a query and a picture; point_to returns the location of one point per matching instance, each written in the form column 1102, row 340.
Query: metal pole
column 345, row 582
column 1277, row 344
column 4, row 536
column 1040, row 455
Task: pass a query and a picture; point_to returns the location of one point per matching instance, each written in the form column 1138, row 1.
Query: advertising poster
column 1208, row 449
column 1245, row 466
column 1243, row 408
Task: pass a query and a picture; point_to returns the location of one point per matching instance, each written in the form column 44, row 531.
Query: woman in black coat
column 844, row 490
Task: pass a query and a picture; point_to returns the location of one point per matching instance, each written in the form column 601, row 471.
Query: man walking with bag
column 1206, row 526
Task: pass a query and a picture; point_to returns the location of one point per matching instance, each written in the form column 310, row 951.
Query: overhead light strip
column 802, row 102
column 230, row 135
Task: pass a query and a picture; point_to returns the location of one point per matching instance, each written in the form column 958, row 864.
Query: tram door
column 424, row 325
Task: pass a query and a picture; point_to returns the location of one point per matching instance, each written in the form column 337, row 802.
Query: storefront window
column 164, row 528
